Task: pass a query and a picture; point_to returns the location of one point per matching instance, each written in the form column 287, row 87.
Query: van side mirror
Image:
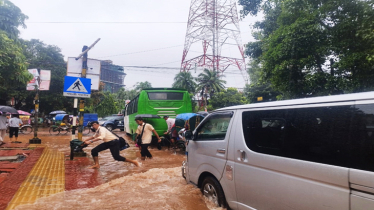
column 188, row 135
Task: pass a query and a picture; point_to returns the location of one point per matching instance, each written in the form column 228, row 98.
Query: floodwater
column 157, row 184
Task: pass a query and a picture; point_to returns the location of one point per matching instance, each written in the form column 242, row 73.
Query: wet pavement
column 157, row 184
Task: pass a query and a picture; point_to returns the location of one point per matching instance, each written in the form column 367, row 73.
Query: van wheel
column 213, row 191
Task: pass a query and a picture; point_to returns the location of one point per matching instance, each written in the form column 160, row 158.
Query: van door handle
column 242, row 155
column 222, row 151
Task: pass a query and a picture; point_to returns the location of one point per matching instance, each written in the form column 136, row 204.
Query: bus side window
column 136, row 104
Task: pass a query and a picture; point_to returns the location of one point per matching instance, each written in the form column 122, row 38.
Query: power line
column 110, row 22
column 131, row 53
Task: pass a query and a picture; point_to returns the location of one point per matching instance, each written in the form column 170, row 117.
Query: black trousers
column 13, row 131
column 144, row 150
column 114, row 149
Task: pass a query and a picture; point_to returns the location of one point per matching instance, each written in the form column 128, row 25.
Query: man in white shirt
column 170, row 122
column 110, row 142
column 3, row 120
column 14, row 123
column 146, row 137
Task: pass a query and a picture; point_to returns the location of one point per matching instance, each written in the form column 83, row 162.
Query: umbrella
column 58, row 112
column 9, row 109
column 147, row 116
column 23, row 112
column 185, row 116
column 61, row 117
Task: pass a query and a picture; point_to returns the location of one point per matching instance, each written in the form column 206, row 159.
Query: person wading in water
column 146, row 137
column 110, row 142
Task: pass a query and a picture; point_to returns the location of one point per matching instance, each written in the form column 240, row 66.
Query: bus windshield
column 165, row 96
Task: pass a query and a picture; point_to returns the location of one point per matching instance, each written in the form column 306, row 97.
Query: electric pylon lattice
column 213, row 38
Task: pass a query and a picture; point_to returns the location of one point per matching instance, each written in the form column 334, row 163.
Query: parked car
column 112, row 122
column 314, row 153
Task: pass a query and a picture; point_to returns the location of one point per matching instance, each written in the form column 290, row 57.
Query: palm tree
column 186, row 81
column 209, row 82
column 139, row 86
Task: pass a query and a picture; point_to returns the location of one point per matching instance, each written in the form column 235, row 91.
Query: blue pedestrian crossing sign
column 77, row 87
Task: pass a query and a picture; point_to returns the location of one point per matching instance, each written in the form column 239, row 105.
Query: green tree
column 186, row 81
column 11, row 18
column 122, row 95
column 258, row 88
column 139, row 86
column 229, row 97
column 13, row 65
column 310, row 48
column 108, row 105
column 47, row 57
column 209, row 83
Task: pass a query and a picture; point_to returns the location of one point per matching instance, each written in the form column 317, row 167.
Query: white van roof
column 314, row 100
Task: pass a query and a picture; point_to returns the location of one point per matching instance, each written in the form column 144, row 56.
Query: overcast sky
column 126, row 44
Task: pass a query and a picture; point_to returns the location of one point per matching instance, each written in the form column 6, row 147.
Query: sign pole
column 82, row 100
column 36, row 140
column 75, row 113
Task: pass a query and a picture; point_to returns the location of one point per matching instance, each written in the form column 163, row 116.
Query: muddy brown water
column 157, row 184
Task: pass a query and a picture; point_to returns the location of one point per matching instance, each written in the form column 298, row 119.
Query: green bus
column 156, row 101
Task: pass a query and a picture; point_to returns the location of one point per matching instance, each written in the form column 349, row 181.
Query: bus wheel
column 213, row 191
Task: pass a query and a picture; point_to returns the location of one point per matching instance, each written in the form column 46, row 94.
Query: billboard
column 74, row 69
column 45, row 79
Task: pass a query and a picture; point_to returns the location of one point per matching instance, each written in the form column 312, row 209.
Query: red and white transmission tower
column 213, row 25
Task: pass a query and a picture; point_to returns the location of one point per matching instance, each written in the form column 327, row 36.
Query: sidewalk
column 44, row 172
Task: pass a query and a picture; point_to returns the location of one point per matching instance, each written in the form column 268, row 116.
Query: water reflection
column 157, row 184
column 155, row 189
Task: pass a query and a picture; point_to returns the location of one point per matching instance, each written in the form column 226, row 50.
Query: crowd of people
column 143, row 135
column 110, row 140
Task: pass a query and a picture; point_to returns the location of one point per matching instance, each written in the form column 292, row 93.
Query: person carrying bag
column 122, row 142
column 144, row 137
column 139, row 137
column 110, row 142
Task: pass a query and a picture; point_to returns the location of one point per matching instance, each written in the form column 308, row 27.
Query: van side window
column 214, row 127
column 264, row 131
column 271, row 133
column 362, row 147
column 335, row 135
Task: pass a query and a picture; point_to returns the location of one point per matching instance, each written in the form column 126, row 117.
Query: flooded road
column 157, row 184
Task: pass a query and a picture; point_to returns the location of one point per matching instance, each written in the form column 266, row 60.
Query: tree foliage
column 139, row 86
column 48, row 57
column 311, row 48
column 107, row 106
column 13, row 67
column 210, row 82
column 185, row 80
column 258, row 88
column 229, row 97
column 11, row 18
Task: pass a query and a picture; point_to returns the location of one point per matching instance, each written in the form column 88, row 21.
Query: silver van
column 315, row 153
